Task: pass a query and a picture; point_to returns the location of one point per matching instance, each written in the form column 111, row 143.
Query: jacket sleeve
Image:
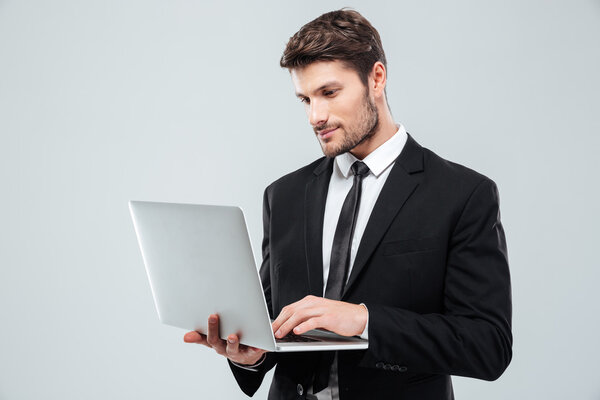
column 472, row 337
column 250, row 380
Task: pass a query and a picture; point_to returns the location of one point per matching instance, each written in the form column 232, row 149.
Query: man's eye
column 304, row 100
column 329, row 92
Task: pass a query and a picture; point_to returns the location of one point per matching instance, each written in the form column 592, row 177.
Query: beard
column 363, row 129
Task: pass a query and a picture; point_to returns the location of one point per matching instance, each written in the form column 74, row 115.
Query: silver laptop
column 199, row 261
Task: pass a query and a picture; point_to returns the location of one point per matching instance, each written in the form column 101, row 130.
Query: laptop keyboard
column 292, row 338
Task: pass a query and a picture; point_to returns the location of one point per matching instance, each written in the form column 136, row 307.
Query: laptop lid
column 199, row 261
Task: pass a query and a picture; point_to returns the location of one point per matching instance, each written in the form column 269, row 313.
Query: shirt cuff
column 252, row 367
column 365, row 332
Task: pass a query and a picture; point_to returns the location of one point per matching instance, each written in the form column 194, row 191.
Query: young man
column 380, row 238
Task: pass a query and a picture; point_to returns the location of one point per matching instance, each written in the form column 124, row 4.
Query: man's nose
column 318, row 113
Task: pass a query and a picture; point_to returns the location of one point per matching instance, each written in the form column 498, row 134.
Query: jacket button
column 387, row 367
column 403, row 369
column 379, row 364
column 300, row 389
column 395, row 368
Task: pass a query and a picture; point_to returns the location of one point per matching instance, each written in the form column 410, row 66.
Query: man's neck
column 386, row 130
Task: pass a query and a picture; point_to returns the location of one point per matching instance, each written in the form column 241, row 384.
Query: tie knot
column 360, row 169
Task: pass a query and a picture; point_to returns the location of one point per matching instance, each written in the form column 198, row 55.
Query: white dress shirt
column 380, row 162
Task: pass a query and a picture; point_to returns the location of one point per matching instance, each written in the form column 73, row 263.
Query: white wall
column 106, row 101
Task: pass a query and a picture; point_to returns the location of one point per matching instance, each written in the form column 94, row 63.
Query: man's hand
column 313, row 312
column 230, row 348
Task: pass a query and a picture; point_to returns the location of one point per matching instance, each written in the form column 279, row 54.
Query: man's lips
column 324, row 134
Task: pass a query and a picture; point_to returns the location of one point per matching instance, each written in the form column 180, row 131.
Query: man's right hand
column 230, row 348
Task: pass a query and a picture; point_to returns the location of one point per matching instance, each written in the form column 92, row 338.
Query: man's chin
column 331, row 152
column 332, row 149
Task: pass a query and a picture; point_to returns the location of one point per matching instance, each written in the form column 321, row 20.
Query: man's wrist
column 251, row 367
column 365, row 332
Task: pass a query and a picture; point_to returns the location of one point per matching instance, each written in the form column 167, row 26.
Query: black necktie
column 342, row 240
column 340, row 261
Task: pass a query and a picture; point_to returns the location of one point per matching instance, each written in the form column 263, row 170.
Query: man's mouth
column 326, row 133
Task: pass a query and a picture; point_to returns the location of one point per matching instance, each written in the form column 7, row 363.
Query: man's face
column 337, row 104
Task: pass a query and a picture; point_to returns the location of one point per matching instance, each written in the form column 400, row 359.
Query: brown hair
column 343, row 35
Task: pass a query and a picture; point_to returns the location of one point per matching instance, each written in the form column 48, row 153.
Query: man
column 380, row 238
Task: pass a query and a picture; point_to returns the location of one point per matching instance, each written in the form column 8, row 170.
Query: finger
column 298, row 317
column 212, row 337
column 278, row 322
column 283, row 316
column 309, row 324
column 233, row 346
column 289, row 310
column 195, row 337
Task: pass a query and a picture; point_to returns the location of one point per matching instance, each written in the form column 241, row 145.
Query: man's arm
column 472, row 337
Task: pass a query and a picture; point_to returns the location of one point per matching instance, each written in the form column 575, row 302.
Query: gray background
column 105, row 101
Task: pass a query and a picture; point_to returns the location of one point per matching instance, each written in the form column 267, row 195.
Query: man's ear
column 378, row 79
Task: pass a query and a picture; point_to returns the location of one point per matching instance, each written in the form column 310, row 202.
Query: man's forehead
column 320, row 75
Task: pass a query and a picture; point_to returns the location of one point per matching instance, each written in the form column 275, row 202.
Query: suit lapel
column 314, row 212
column 400, row 184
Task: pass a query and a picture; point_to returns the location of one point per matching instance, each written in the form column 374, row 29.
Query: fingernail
column 212, row 320
column 278, row 333
column 231, row 341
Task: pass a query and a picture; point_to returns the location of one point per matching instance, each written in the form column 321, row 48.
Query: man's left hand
column 314, row 312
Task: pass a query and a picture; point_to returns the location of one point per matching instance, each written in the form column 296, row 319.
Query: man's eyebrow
column 323, row 86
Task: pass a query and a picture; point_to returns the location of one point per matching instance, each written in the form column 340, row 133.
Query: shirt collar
column 379, row 159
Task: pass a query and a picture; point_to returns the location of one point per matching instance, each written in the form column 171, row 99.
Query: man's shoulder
column 299, row 177
column 451, row 173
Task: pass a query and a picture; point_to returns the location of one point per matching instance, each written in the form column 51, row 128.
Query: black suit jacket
column 431, row 268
